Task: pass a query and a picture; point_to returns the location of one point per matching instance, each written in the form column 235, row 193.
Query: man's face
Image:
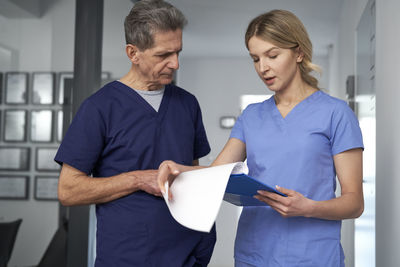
column 156, row 65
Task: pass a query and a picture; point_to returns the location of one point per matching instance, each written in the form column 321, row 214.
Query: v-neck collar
column 139, row 99
column 293, row 111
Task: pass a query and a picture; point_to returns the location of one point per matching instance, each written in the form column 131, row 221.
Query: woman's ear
column 132, row 53
column 299, row 55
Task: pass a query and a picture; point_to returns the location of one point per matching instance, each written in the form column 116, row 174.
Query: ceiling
column 217, row 27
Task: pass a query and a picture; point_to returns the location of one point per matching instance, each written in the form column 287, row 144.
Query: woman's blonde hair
column 285, row 30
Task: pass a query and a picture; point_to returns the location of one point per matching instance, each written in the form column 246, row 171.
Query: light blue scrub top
column 295, row 152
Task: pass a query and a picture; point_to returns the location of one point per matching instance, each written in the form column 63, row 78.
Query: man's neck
column 131, row 79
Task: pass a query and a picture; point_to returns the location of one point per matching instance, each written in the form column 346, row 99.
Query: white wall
column 388, row 132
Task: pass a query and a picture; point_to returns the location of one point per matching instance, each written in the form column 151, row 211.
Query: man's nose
column 174, row 62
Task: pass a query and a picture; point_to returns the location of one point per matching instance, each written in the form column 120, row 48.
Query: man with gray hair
column 122, row 133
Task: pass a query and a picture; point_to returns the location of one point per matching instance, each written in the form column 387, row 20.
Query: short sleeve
column 201, row 145
column 345, row 130
column 84, row 139
column 237, row 130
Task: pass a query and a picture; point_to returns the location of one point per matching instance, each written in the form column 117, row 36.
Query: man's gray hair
column 148, row 17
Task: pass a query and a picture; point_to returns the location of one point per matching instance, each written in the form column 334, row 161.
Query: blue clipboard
column 241, row 188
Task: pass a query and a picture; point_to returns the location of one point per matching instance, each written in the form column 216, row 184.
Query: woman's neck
column 295, row 95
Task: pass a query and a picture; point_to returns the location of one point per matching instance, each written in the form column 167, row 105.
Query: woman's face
column 277, row 67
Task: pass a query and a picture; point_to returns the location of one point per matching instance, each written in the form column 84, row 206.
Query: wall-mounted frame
column 46, row 188
column 45, row 159
column 105, row 75
column 62, row 77
column 14, row 187
column 14, row 158
column 41, row 126
column 16, row 88
column 43, row 88
column 1, row 87
column 60, row 118
column 227, row 122
column 15, row 122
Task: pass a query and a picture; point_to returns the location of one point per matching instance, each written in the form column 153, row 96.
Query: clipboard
column 241, row 188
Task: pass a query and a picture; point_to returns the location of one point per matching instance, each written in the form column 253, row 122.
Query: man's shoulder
column 103, row 97
column 105, row 92
column 185, row 96
column 180, row 91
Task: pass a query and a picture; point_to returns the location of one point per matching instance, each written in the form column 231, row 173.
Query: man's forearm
column 76, row 188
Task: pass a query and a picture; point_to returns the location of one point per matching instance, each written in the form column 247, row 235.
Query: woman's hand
column 167, row 172
column 295, row 204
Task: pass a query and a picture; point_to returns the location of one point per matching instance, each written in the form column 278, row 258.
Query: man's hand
column 147, row 181
column 167, row 171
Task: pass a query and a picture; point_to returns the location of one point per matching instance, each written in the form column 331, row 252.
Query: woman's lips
column 270, row 80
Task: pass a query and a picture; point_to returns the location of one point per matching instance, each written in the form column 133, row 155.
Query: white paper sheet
column 198, row 194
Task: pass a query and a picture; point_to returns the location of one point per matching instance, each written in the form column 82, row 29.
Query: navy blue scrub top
column 116, row 131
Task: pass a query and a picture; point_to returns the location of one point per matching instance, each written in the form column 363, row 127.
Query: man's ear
column 300, row 55
column 132, row 53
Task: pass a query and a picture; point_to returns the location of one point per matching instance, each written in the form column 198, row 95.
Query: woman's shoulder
column 335, row 107
column 253, row 107
column 333, row 102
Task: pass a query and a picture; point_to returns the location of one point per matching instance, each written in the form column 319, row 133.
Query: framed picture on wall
column 14, row 158
column 1, row 87
column 41, row 125
column 60, row 117
column 45, row 159
column 43, row 88
column 105, row 76
column 46, row 188
column 64, row 78
column 16, row 87
column 14, row 187
column 15, row 125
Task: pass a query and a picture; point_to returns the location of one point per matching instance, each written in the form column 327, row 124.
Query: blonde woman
column 300, row 140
